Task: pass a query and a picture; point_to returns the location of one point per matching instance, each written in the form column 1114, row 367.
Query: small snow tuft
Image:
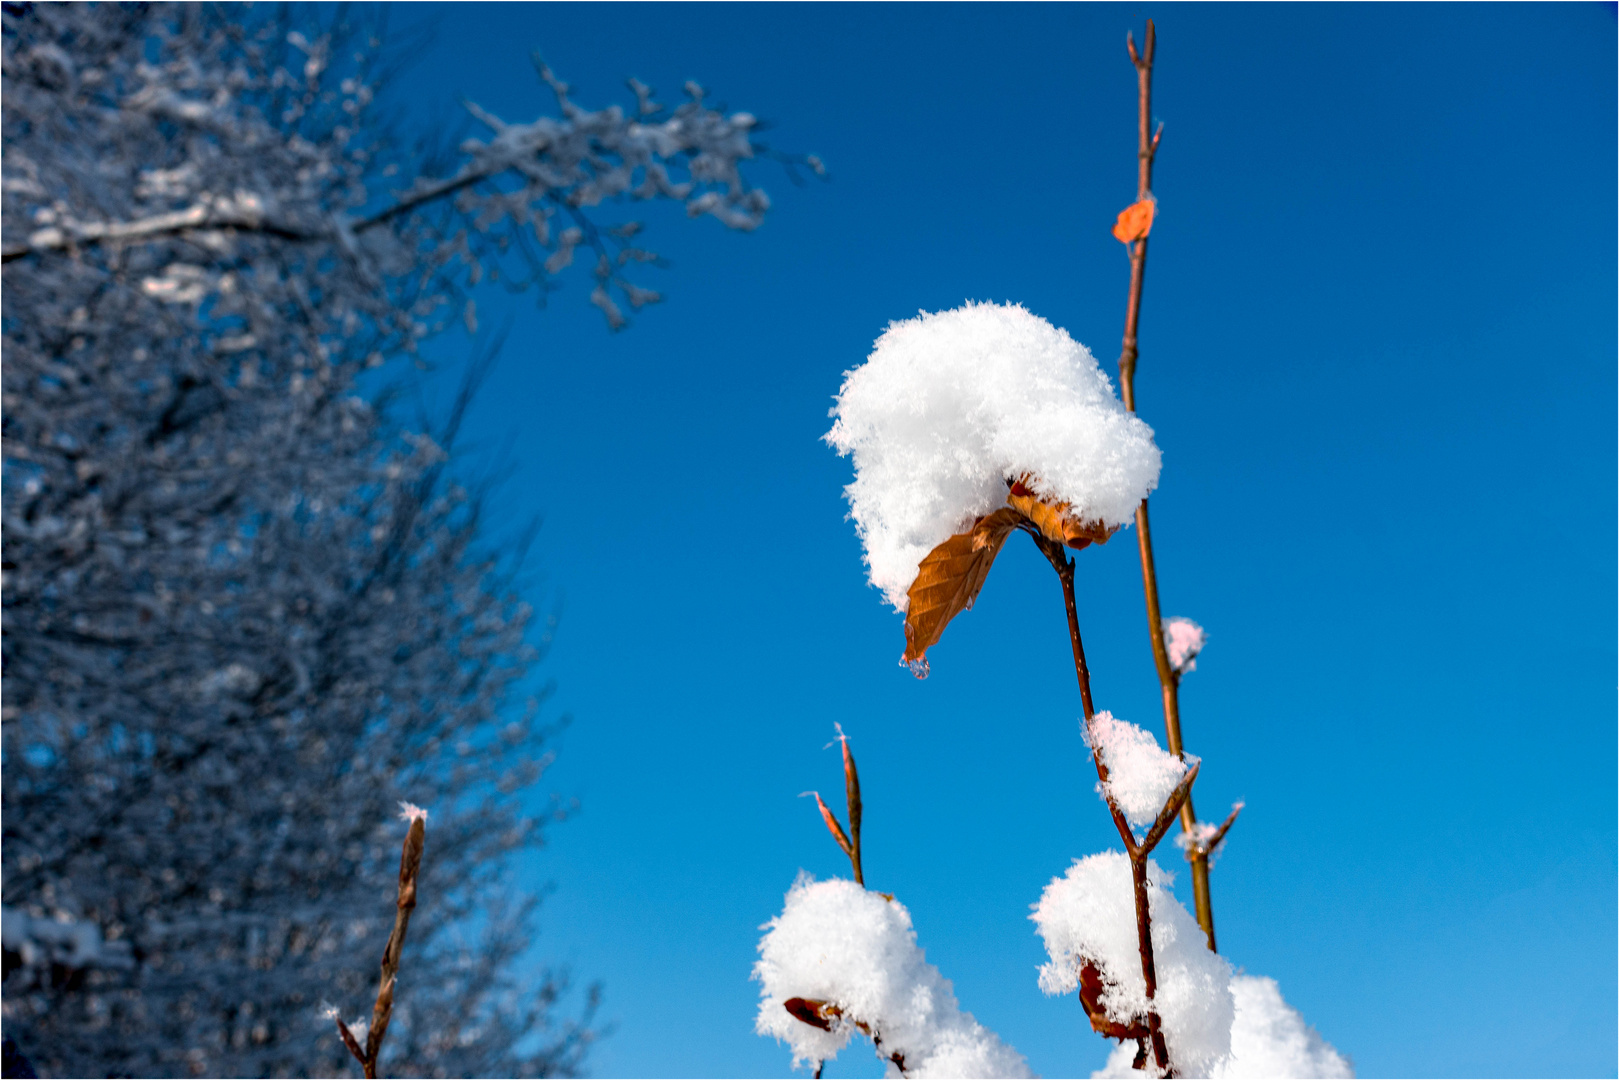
column 1140, row 775
column 1184, row 639
column 412, row 812
column 951, row 404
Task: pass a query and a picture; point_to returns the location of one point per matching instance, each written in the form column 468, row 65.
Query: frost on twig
column 1203, row 840
column 514, row 206
column 841, row 959
column 1183, row 639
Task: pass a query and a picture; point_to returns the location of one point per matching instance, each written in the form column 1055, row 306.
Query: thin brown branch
column 1206, row 848
column 1169, row 681
column 1138, row 852
column 1064, row 566
column 410, row 865
column 1177, row 799
column 231, row 214
column 1149, row 967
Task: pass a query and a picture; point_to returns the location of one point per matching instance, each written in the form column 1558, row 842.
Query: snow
column 1141, row 775
column 1269, row 1041
column 951, row 404
column 1089, row 914
column 1270, row 1038
column 836, row 942
column 1184, row 639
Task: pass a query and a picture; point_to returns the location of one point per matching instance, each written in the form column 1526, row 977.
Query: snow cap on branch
column 1140, row 775
column 1184, row 639
column 1089, row 915
column 837, row 943
column 950, row 405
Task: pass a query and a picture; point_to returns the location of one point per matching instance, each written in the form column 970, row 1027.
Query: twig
column 410, row 865
column 851, row 787
column 851, row 791
column 1168, row 680
column 1137, row 850
column 823, row 1014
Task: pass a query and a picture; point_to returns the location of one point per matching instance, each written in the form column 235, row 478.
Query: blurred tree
column 246, row 611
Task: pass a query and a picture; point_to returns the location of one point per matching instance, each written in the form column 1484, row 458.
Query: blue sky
column 1378, row 349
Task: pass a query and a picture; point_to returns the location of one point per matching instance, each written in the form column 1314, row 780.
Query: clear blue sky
column 1378, row 349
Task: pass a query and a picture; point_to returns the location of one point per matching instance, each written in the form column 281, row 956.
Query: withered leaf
column 948, row 580
column 1135, row 221
column 1053, row 519
column 1091, row 986
column 810, row 1012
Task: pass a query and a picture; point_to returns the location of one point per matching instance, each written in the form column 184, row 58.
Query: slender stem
column 410, row 864
column 1149, row 970
column 1137, row 851
column 1064, row 566
column 851, row 786
column 1167, row 679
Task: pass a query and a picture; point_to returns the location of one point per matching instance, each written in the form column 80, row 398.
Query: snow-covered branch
column 841, row 959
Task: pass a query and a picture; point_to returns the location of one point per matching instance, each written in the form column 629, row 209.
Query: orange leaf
column 948, row 581
column 1135, row 221
column 1053, row 519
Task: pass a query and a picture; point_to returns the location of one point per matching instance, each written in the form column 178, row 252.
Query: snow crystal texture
column 1140, row 775
column 1089, row 914
column 1184, row 639
column 836, row 942
column 950, row 405
column 1269, row 1041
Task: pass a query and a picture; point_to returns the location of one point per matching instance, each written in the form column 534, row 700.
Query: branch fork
column 850, row 841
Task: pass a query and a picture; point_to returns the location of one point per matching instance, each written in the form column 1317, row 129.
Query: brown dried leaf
column 948, row 581
column 1053, row 519
column 1091, row 986
column 810, row 1012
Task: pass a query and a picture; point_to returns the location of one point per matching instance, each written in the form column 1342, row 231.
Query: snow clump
column 950, row 405
column 1269, row 1041
column 1140, row 775
column 838, row 943
column 1089, row 914
column 1184, row 639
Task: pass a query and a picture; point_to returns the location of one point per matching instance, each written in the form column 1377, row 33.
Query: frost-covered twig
column 1168, row 677
column 410, row 865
